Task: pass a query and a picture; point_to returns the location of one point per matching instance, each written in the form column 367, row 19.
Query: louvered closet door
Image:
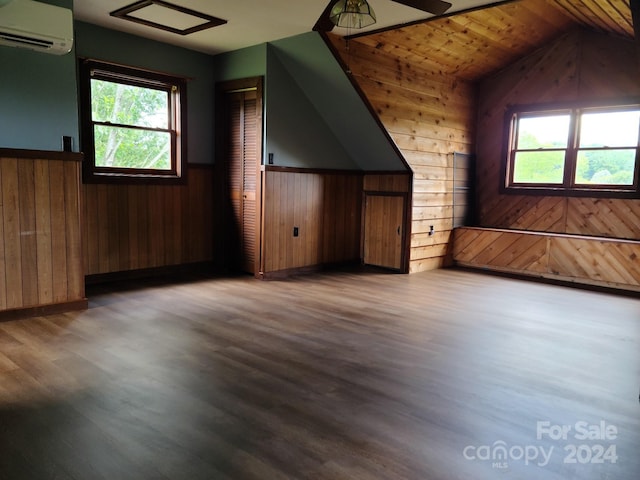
column 243, row 172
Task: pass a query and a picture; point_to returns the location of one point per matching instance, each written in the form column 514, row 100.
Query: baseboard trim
column 168, row 271
column 550, row 280
column 307, row 270
column 40, row 310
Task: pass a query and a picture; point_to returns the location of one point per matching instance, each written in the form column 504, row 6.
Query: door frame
column 222, row 89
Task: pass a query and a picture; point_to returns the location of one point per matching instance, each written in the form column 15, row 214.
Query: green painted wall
column 38, row 100
column 330, row 97
column 297, row 135
column 245, row 63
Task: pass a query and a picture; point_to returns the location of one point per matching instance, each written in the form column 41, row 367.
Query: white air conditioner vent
column 36, row 26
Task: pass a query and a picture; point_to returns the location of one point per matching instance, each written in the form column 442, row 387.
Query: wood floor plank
column 344, row 375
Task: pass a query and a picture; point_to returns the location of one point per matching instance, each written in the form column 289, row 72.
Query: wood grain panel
column 29, row 245
column 604, row 53
column 42, row 217
column 604, row 261
column 501, row 249
column 384, row 230
column 131, row 227
column 3, row 262
column 431, row 263
column 11, row 223
column 157, row 218
column 326, row 209
column 387, row 182
column 59, row 261
column 342, row 200
column 73, row 230
column 589, row 260
column 40, row 263
column 609, row 217
column 441, row 250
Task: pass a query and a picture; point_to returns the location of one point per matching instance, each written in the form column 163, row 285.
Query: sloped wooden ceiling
column 473, row 45
column 605, row 16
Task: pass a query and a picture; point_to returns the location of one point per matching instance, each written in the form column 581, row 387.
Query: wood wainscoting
column 314, row 217
column 138, row 227
column 596, row 261
column 325, row 208
column 40, row 246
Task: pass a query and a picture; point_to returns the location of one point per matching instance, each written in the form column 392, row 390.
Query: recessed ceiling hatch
column 167, row 16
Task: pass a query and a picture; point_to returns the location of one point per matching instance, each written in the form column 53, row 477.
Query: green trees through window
column 541, row 144
column 132, row 123
column 607, row 145
column 116, row 109
column 574, row 148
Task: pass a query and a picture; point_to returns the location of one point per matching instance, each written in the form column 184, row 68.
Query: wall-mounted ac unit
column 36, row 26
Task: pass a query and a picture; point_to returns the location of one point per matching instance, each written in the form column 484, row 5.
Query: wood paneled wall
column 579, row 65
column 387, row 182
column 324, row 206
column 429, row 116
column 40, row 246
column 134, row 227
column 587, row 260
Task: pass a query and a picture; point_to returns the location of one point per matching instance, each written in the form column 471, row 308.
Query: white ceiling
column 250, row 22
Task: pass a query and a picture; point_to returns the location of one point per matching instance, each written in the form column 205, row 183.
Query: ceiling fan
column 435, row 7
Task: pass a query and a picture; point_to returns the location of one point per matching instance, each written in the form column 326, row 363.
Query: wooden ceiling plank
column 471, row 46
column 453, row 53
column 434, row 89
column 583, row 15
column 555, row 17
column 438, row 58
column 512, row 21
column 613, row 26
column 618, row 12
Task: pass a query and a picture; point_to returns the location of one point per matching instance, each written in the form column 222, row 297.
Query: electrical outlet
column 296, row 231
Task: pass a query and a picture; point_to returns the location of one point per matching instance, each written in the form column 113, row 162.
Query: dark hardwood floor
column 441, row 375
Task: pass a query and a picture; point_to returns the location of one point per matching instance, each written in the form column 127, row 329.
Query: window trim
column 568, row 188
column 176, row 89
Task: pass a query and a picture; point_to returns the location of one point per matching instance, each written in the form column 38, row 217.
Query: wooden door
column 384, row 230
column 243, row 159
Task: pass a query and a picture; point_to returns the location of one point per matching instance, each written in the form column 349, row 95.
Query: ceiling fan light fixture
column 352, row 14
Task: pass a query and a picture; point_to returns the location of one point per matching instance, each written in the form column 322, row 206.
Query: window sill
column 134, row 179
column 574, row 192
